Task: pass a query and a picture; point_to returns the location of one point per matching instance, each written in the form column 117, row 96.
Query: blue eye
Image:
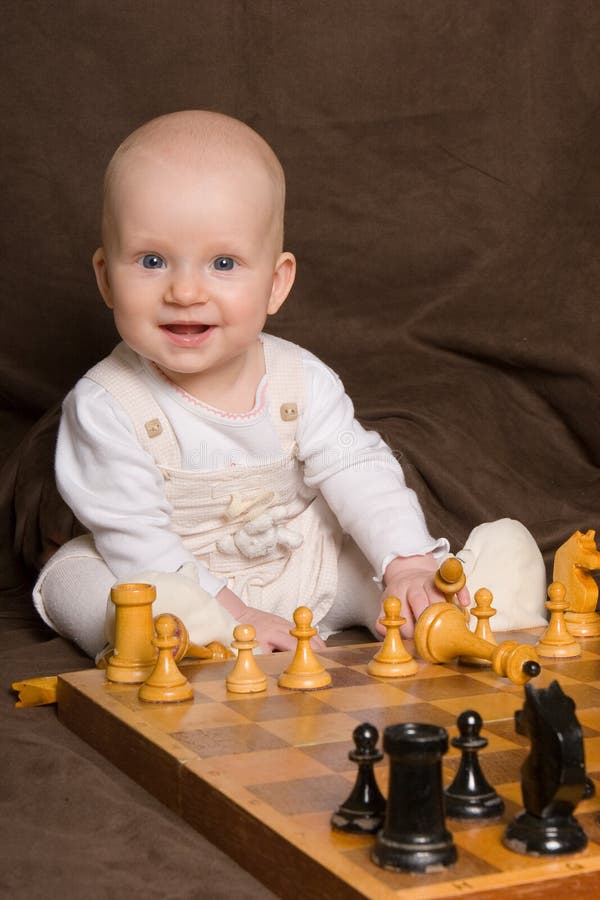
column 224, row 264
column 152, row 261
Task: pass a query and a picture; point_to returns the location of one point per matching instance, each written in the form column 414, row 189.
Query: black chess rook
column 414, row 837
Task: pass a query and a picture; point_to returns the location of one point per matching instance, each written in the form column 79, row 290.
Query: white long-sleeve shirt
column 116, row 491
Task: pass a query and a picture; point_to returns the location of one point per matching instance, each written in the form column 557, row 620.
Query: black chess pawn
column 363, row 811
column 470, row 796
column 553, row 778
column 414, row 837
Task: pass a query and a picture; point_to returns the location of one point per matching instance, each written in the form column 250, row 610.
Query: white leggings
column 72, row 591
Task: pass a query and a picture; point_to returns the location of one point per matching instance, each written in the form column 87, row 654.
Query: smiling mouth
column 190, row 328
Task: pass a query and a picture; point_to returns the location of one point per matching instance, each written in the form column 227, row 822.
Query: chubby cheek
column 131, row 322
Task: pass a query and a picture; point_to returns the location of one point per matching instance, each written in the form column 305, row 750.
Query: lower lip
column 190, row 340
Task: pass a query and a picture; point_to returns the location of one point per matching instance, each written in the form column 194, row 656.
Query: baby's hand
column 272, row 632
column 410, row 579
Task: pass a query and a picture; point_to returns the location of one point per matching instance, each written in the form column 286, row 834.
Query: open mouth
column 189, row 328
column 187, row 334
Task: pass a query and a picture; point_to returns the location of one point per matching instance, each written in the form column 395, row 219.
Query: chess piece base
column 413, row 857
column 533, row 836
column 551, row 650
column 465, row 807
column 127, row 673
column 583, row 624
column 392, row 670
column 156, row 694
column 246, row 687
column 352, row 822
column 298, row 681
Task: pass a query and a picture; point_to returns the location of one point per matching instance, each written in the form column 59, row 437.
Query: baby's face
column 192, row 265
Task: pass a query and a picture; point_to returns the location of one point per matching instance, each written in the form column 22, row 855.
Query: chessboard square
column 428, row 671
column 345, row 677
column 334, row 755
column 210, row 742
column 128, row 697
column 352, row 656
column 265, row 766
column 283, row 705
column 512, row 793
column 581, row 669
column 591, row 645
column 276, row 663
column 497, row 741
column 591, row 825
column 201, row 674
column 467, row 866
column 585, row 696
column 485, row 843
column 442, row 688
column 498, row 768
column 183, row 717
column 494, row 682
column 318, row 825
column 381, row 717
column 301, row 795
column 304, row 731
column 585, row 717
column 592, row 754
column 505, row 730
column 374, row 694
column 491, row 707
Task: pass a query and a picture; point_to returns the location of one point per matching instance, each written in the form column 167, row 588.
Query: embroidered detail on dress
column 240, row 506
column 288, row 411
column 256, row 410
column 153, row 428
column 261, row 533
column 260, row 536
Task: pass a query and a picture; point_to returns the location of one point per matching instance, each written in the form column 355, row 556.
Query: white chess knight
column 503, row 557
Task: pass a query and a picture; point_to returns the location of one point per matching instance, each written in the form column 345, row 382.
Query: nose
column 186, row 288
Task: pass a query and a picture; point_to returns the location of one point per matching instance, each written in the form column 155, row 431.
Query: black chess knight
column 553, row 778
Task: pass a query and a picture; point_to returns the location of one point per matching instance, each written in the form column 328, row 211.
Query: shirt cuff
column 440, row 550
column 211, row 584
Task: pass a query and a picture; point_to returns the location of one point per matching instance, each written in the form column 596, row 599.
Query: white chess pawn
column 246, row 677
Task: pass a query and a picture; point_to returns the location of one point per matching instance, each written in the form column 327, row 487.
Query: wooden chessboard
column 259, row 775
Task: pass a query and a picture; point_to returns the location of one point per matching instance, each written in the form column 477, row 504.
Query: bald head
column 202, row 141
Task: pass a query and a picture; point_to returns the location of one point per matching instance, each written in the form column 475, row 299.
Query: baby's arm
column 365, row 487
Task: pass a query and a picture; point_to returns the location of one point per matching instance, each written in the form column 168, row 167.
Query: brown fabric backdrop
column 443, row 176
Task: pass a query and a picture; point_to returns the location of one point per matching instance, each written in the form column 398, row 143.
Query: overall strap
column 121, row 375
column 285, row 374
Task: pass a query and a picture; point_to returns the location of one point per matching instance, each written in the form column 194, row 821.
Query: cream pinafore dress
column 272, row 538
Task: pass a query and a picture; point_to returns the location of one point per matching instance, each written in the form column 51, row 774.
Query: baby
column 222, row 464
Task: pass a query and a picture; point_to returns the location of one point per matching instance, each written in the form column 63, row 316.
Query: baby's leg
column 358, row 597
column 71, row 594
column 503, row 557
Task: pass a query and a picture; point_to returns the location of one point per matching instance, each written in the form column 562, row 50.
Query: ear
column 283, row 279
column 101, row 272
